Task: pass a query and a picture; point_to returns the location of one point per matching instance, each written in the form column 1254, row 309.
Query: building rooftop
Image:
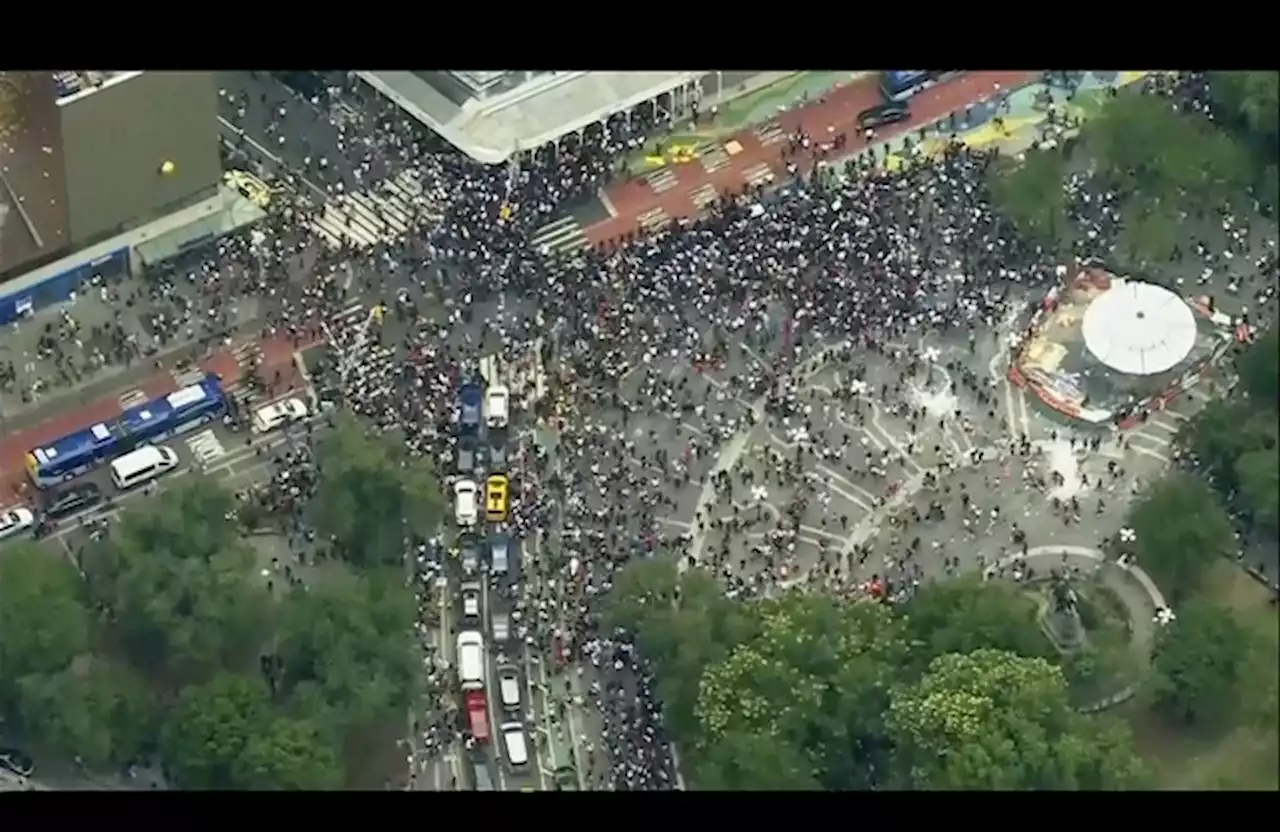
column 71, row 84
column 517, row 110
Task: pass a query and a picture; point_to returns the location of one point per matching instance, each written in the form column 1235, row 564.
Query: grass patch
column 736, row 113
column 1247, row 756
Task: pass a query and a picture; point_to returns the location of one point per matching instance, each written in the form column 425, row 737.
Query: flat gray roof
column 479, row 80
column 532, row 114
column 74, row 84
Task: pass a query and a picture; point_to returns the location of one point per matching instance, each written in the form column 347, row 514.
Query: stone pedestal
column 1063, row 628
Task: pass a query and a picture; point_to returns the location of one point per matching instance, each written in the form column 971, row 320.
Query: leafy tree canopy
column 177, row 582
column 683, row 624
column 291, row 754
column 1147, row 146
column 1030, row 195
column 96, row 710
column 346, row 650
column 369, row 495
column 816, row 679
column 1254, row 99
column 1181, row 529
column 1259, row 475
column 1199, row 664
column 1220, row 434
column 963, row 615
column 1259, row 369
column 991, row 719
column 44, row 622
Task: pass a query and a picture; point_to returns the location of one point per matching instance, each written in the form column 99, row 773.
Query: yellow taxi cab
column 497, row 498
column 250, row 187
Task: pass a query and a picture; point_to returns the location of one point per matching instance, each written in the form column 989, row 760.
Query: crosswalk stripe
column 661, row 180
column 770, row 133
column 205, row 446
column 365, row 218
column 653, row 220
column 704, row 195
column 562, row 236
column 352, row 311
column 342, row 113
column 714, row 158
column 758, row 174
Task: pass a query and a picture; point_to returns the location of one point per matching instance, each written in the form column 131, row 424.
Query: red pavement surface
column 823, row 120
column 277, row 355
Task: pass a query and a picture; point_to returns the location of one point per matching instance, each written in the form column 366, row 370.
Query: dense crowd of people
column 867, row 258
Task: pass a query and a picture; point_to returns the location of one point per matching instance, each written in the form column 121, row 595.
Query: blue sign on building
column 19, row 298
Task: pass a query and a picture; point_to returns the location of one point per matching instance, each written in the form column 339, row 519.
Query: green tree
column 369, row 495
column 682, row 624
column 44, row 622
column 993, row 720
column 180, row 585
column 1259, row 475
column 963, row 615
column 1199, row 665
column 1150, row 232
column 346, row 648
column 1259, row 369
column 755, row 762
column 1146, row 146
column 96, row 710
column 1181, row 529
column 1252, row 98
column 1219, row 435
column 210, row 729
column 1031, row 196
column 290, row 754
column 816, row 679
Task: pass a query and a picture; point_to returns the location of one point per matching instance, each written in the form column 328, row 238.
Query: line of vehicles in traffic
column 481, row 486
column 129, row 445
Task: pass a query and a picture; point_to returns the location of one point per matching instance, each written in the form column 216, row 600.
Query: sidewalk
column 16, row 416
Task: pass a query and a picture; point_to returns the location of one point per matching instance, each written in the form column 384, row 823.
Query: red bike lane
column 834, row 113
column 277, row 358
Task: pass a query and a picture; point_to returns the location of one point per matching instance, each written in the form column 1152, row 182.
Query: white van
column 470, row 658
column 143, row 464
column 517, row 748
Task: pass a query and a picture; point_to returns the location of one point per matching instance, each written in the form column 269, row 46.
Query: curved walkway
column 1131, row 584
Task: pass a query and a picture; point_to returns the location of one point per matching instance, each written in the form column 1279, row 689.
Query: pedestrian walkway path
column 381, row 215
column 1131, row 584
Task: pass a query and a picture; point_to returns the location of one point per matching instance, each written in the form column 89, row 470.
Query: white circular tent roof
column 1139, row 328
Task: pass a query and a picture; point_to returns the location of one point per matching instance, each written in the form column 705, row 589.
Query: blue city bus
column 901, row 84
column 160, row 418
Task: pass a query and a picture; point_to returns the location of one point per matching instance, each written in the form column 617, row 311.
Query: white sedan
column 16, row 521
column 267, row 419
column 466, row 507
column 470, row 602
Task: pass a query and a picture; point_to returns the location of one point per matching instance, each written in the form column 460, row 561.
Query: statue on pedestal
column 1062, row 618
